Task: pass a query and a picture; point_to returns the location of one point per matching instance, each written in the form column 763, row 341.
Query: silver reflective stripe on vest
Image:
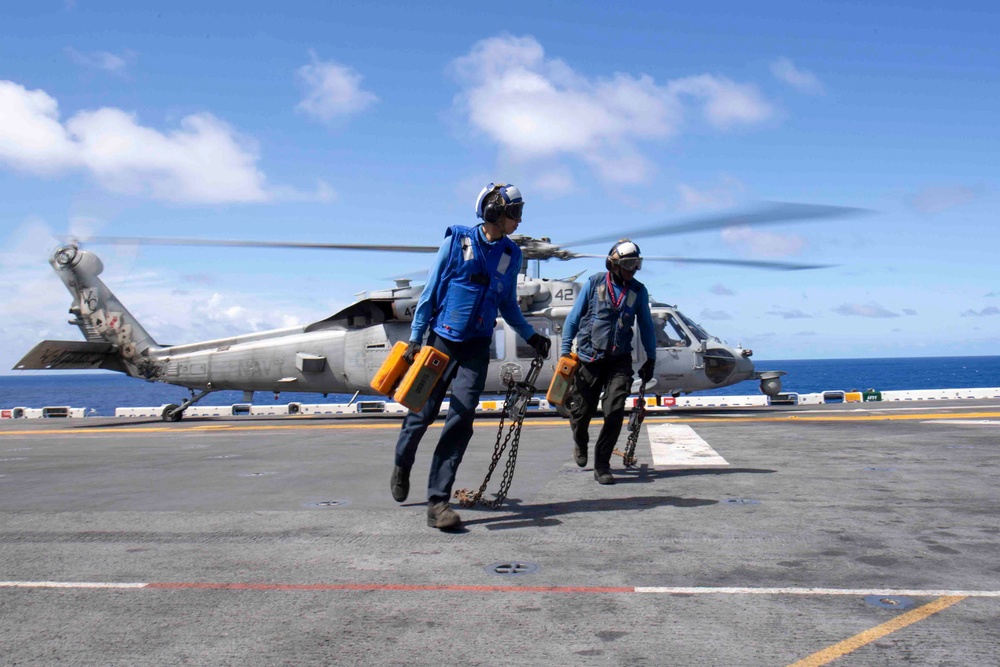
column 504, row 263
column 631, row 298
column 467, row 252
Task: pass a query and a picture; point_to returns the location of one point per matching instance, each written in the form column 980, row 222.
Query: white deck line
column 662, row 590
column 69, row 584
column 887, row 592
column 678, row 446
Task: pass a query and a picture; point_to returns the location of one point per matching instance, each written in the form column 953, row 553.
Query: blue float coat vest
column 478, row 278
column 606, row 331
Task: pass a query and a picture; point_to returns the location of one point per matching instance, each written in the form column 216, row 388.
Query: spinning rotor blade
column 749, row 263
column 768, row 213
column 260, row 244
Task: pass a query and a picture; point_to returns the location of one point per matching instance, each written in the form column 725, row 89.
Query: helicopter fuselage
column 342, row 353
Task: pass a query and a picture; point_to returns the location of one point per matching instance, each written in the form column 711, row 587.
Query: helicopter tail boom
column 115, row 339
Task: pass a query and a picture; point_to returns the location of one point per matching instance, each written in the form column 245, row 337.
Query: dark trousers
column 466, row 371
column 613, row 376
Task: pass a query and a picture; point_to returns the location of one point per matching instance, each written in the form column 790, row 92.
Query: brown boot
column 441, row 515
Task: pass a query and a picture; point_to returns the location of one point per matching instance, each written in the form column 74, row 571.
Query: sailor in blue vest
column 601, row 321
column 474, row 279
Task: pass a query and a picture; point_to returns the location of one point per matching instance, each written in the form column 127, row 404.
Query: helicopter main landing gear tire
column 171, row 414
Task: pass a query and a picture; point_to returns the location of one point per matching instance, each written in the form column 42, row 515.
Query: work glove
column 411, row 351
column 646, row 370
column 541, row 345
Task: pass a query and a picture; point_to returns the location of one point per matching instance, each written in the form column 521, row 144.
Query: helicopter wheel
column 169, row 415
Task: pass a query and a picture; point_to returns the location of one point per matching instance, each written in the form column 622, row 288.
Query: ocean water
column 103, row 392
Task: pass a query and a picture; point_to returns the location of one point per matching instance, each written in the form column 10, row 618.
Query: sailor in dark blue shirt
column 473, row 280
column 601, row 321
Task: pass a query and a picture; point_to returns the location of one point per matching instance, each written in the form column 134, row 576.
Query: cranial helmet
column 497, row 200
column 625, row 254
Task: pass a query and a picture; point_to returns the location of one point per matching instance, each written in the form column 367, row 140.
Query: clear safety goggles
column 514, row 210
column 630, row 263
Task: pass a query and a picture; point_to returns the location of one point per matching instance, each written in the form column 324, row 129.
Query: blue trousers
column 466, row 375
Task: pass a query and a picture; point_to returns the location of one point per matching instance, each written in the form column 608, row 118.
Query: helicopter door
column 674, row 350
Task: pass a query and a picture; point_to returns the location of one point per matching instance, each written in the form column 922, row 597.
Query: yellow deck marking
column 723, row 419
column 394, row 424
column 841, row 649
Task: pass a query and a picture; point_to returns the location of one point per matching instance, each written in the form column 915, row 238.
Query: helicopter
column 342, row 353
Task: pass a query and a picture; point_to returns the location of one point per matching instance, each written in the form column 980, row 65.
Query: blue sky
column 380, row 122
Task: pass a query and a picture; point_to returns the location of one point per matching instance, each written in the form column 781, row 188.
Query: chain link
column 634, row 426
column 515, row 406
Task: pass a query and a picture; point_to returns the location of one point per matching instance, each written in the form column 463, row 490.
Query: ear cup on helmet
column 493, row 210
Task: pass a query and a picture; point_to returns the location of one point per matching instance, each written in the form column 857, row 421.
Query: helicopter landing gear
column 174, row 412
column 171, row 413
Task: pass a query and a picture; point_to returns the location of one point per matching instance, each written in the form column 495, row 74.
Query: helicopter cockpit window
column 695, row 328
column 542, row 327
column 498, row 346
column 670, row 333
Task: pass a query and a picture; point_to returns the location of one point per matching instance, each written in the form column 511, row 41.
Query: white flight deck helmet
column 497, row 200
column 625, row 254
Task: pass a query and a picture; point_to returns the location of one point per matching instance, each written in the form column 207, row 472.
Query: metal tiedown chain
column 634, row 426
column 515, row 405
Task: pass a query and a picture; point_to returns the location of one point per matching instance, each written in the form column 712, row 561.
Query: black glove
column 411, row 351
column 646, row 370
column 541, row 345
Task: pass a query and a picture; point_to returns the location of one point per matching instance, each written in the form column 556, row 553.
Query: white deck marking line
column 972, row 422
column 662, row 590
column 885, row 592
column 69, row 584
column 678, row 446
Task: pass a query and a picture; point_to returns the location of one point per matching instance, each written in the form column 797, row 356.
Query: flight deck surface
column 865, row 534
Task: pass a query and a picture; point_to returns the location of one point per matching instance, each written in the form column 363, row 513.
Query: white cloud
column 726, row 103
column 985, row 312
column 802, row 80
column 707, row 314
column 936, row 199
column 556, row 182
column 762, row 244
column 724, row 194
column 539, row 108
column 100, row 60
column 793, row 314
column 332, row 90
column 864, row 310
column 205, row 161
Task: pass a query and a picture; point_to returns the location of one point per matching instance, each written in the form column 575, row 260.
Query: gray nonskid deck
column 276, row 542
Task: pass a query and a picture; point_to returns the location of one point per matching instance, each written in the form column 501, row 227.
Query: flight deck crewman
column 474, row 278
column 601, row 320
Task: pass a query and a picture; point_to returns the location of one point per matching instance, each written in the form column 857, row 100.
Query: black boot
column 580, row 454
column 399, row 483
column 604, row 476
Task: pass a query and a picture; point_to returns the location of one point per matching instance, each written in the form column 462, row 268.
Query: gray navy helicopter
column 341, row 354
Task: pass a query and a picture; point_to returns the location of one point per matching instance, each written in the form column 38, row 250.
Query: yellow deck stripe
column 841, row 649
column 395, row 424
